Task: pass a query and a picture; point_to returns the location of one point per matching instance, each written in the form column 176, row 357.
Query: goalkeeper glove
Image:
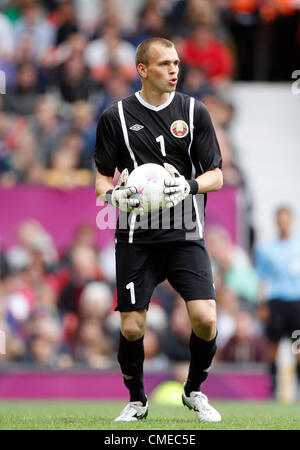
column 123, row 197
column 177, row 188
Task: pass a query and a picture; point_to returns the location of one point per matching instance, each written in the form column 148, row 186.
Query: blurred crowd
column 65, row 62
column 57, row 308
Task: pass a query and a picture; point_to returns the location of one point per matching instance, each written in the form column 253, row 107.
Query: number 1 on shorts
column 130, row 286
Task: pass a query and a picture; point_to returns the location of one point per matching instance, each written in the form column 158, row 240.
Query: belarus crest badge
column 179, row 128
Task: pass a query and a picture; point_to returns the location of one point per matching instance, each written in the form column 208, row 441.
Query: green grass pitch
column 95, row 415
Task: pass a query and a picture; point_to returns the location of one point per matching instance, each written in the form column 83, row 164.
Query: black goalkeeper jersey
column 180, row 132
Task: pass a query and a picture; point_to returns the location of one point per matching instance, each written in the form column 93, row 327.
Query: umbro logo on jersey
column 136, row 127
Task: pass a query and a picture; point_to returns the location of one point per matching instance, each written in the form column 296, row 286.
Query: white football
column 149, row 182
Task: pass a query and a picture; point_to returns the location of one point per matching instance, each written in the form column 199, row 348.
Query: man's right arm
column 103, row 184
column 121, row 196
column 106, row 154
column 106, row 158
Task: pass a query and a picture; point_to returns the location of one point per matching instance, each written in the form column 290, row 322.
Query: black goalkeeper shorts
column 141, row 267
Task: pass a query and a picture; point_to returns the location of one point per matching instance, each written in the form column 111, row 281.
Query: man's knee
column 203, row 318
column 205, row 329
column 132, row 332
column 133, row 324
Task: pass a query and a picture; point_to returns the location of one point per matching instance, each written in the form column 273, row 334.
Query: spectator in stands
column 74, row 80
column 22, row 97
column 201, row 11
column 285, row 36
column 64, row 172
column 73, row 140
column 77, row 43
column 28, row 292
column 93, row 346
column 44, row 341
column 228, row 305
column 232, row 174
column 220, row 110
column 277, row 262
column 47, row 127
column 7, row 44
column 110, row 52
column 245, row 346
column 17, row 298
column 32, row 237
column 84, row 234
column 244, row 24
column 202, row 49
column 157, row 323
column 67, row 21
column 182, row 14
column 107, row 261
column 6, row 127
column 35, row 29
column 115, row 88
column 23, row 156
column 14, row 332
column 176, row 341
column 95, row 301
column 61, row 61
column 155, row 358
column 85, row 124
column 233, row 264
column 195, row 83
column 7, row 53
column 89, row 14
column 151, row 23
column 73, row 46
column 84, row 269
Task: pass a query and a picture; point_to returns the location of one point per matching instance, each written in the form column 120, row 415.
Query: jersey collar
column 154, row 108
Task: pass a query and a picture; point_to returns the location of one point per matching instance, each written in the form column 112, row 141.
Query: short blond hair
column 142, row 52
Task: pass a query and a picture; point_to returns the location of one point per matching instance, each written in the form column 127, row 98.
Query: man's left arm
column 210, row 181
column 177, row 188
column 210, row 159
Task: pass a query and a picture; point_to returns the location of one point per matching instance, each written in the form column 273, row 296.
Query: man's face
column 161, row 73
column 284, row 220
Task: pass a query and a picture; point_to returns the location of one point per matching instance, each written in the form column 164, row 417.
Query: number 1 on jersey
column 130, row 286
column 161, row 141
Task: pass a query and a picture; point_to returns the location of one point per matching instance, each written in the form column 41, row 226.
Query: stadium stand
column 65, row 62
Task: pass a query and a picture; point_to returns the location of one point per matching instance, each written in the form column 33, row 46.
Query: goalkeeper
column 159, row 125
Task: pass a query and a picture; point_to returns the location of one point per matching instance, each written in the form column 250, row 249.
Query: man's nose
column 173, row 68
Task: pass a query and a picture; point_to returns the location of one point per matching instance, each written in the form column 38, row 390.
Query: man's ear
column 142, row 70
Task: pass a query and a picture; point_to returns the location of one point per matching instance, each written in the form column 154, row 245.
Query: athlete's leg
column 191, row 275
column 203, row 318
column 131, row 353
column 203, row 348
column 272, row 361
column 133, row 324
column 276, row 326
column 202, row 341
column 139, row 269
